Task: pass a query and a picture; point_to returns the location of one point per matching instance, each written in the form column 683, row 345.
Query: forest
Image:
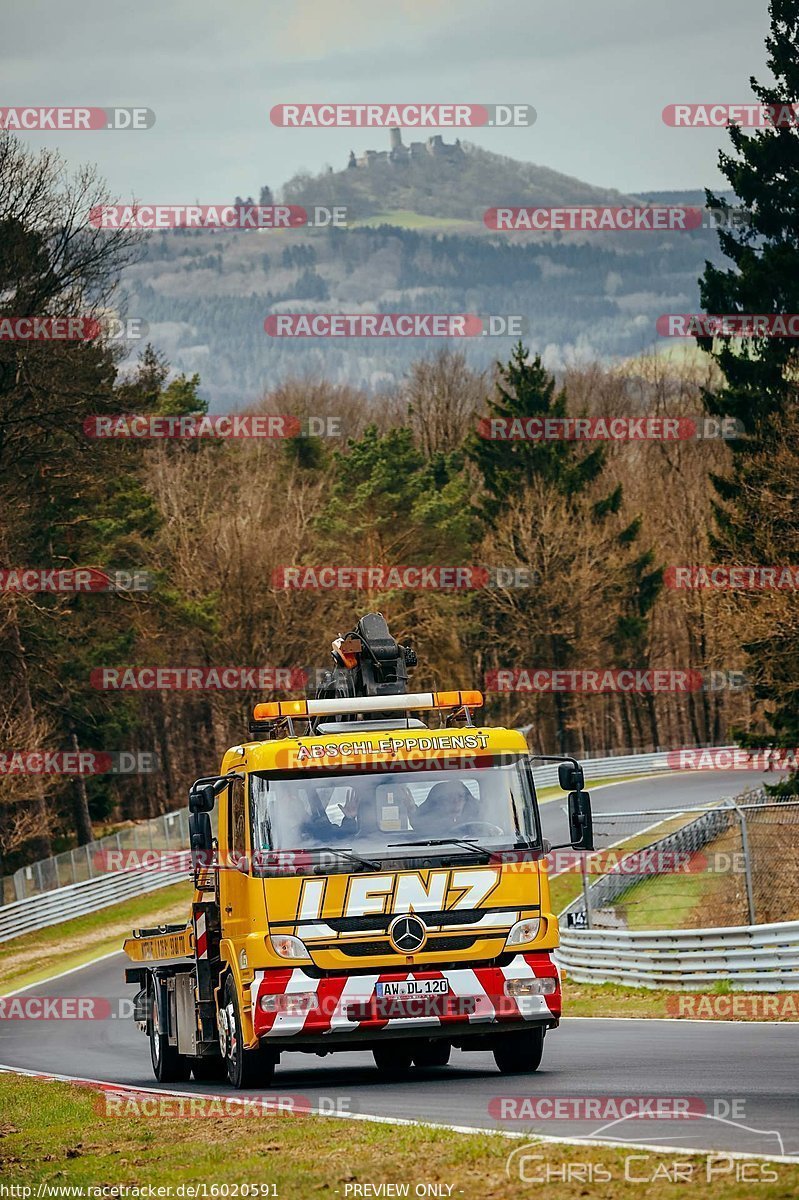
column 576, row 542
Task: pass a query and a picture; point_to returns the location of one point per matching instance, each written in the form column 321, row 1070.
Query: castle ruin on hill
column 401, row 155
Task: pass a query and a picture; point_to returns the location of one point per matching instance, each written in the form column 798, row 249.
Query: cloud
column 598, row 74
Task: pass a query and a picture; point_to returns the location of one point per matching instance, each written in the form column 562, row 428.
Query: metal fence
column 106, row 856
column 728, row 865
column 760, row 958
column 687, row 899
column 78, row 899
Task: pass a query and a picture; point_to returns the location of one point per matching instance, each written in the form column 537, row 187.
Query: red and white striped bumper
column 287, row 1002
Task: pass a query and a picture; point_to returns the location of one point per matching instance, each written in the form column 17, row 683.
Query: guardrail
column 78, row 899
column 758, row 958
column 546, row 774
column 108, row 855
column 61, row 903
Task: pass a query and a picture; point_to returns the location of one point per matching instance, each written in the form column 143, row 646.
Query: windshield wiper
column 345, row 852
column 468, row 845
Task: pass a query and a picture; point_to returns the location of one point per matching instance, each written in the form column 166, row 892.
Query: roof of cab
column 372, row 746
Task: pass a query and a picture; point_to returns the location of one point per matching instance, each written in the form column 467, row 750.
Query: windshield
column 364, row 819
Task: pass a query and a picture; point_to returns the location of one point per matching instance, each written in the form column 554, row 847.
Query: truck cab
column 378, row 882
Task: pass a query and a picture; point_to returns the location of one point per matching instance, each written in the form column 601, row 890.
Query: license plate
column 413, row 987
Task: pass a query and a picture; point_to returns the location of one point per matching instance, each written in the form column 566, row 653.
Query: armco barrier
column 168, row 832
column 77, row 899
column 755, row 958
column 609, row 768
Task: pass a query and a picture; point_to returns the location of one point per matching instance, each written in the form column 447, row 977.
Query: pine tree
column 525, row 471
column 525, row 389
column 760, row 375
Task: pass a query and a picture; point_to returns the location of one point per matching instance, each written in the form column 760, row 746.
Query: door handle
column 228, row 909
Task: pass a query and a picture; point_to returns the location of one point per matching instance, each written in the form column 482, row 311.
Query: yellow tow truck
column 378, row 882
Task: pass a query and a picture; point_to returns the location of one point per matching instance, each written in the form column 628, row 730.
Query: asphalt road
column 684, row 789
column 742, row 1078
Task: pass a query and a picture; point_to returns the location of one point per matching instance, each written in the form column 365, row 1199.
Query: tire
column 168, row 1065
column 245, row 1068
column 210, row 1069
column 433, row 1054
column 520, row 1053
column 394, row 1059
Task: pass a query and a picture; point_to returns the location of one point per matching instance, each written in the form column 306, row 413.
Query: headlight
column 524, row 932
column 288, row 946
column 292, row 1003
column 531, row 987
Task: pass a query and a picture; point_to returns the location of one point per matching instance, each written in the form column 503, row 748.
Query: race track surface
column 745, row 1076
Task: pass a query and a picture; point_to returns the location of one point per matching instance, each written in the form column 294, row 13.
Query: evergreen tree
column 760, row 374
column 525, row 389
column 518, row 471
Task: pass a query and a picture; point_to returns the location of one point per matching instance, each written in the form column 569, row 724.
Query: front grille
column 381, row 946
column 461, row 916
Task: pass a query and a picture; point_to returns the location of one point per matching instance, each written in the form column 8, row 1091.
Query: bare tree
column 443, row 397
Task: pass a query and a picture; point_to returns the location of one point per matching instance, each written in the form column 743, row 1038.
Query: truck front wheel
column 393, row 1060
column 245, row 1068
column 520, row 1053
column 432, row 1054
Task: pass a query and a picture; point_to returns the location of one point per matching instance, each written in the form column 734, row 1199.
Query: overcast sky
column 598, row 74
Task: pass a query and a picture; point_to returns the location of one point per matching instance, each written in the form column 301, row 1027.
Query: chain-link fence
column 732, row 864
column 114, row 853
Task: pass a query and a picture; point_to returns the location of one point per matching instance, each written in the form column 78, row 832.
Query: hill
column 441, row 180
column 416, row 243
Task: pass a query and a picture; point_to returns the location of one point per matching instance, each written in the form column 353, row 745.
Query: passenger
column 314, row 824
column 353, row 810
column 448, row 806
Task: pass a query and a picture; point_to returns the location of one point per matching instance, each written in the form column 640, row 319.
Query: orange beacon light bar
column 411, row 702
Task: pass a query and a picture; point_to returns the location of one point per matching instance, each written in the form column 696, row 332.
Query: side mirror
column 571, row 777
column 581, row 829
column 201, row 840
column 201, row 798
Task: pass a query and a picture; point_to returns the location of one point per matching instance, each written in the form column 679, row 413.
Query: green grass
column 407, row 219
column 614, row 1000
column 35, row 956
column 59, row 1135
column 668, row 901
column 567, row 887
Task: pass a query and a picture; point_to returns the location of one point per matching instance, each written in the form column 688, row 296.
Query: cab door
column 235, row 880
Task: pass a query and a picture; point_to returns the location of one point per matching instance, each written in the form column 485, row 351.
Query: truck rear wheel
column 520, row 1053
column 168, row 1065
column 245, row 1068
column 394, row 1059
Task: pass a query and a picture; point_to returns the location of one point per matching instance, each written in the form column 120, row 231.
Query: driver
column 447, row 806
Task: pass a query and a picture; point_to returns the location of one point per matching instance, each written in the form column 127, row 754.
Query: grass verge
column 58, row 1135
column 35, row 956
column 613, row 1000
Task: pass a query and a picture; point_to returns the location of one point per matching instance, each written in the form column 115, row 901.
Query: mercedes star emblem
column 407, row 934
